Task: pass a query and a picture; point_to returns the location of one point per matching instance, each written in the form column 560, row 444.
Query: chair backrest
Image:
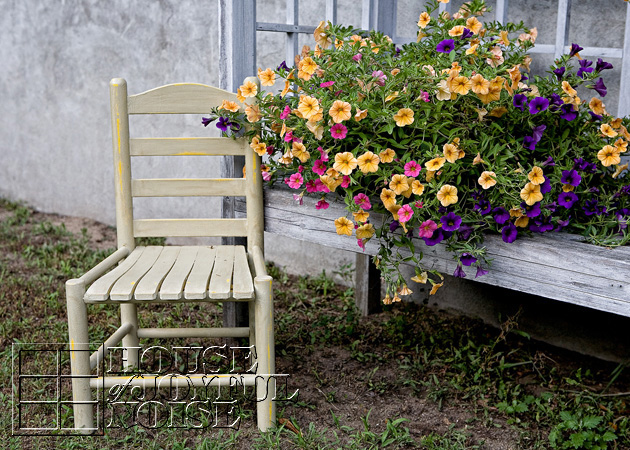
column 185, row 98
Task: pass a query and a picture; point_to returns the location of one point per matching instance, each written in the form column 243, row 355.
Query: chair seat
column 172, row 273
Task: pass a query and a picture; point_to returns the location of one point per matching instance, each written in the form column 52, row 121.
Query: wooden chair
column 174, row 274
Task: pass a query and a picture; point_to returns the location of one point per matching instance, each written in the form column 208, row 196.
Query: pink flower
column 418, row 204
column 323, row 153
column 295, row 181
column 361, row 244
column 288, row 137
column 322, row 204
column 321, row 187
column 326, row 84
column 300, row 168
column 345, row 181
column 362, row 201
column 285, row 112
column 266, row 176
column 427, row 228
column 338, row 131
column 412, row 169
column 405, row 213
column 357, row 57
column 319, row 167
column 298, row 198
column 424, row 96
column 380, row 77
column 311, row 186
column 297, row 139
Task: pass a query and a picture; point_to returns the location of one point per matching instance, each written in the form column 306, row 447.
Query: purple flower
column 529, row 143
column 556, row 100
column 437, row 237
column 481, row 272
column 570, row 177
column 549, row 162
column 483, row 207
column 602, row 65
column 546, row 186
column 508, row 233
column 446, row 46
column 393, row 226
column 531, row 211
column 561, row 224
column 500, row 215
column 595, row 116
column 537, row 132
column 282, row 66
column 567, row 199
column 538, row 104
column 574, row 49
column 207, row 121
column 594, row 190
column 223, row 123
column 467, row 259
column 568, row 112
column 599, row 87
column 580, row 164
column 591, row 207
column 459, row 272
column 466, row 34
column 559, row 72
column 357, row 57
column 519, row 101
column 541, row 225
column 451, row 221
column 585, row 67
column 551, row 207
column 464, row 232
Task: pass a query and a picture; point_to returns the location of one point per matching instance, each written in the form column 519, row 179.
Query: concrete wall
column 59, row 55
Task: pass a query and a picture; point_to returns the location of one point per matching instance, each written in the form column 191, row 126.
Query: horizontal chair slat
column 190, row 227
column 182, row 98
column 198, row 146
column 169, row 381
column 235, row 332
column 188, row 187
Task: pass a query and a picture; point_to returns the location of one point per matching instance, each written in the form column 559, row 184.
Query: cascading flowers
column 443, row 140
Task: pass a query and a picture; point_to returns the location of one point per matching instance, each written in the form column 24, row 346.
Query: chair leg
column 79, row 355
column 129, row 314
column 265, row 351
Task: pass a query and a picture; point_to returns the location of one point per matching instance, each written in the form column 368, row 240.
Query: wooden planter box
column 558, row 266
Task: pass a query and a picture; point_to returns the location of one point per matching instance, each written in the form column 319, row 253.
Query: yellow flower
column 267, row 77
column 624, row 132
column 460, row 85
column 344, row 226
column 287, row 85
column 473, row 49
column 494, row 93
column 287, row 158
column 536, row 176
column 394, row 210
column 422, row 278
column 249, row 89
column 487, row 179
column 345, row 163
column 403, row 117
column 566, row 87
column 522, row 222
column 607, row 130
column 424, row 20
column 360, row 114
column 447, row 195
column 304, row 75
column 239, row 95
column 368, row 162
column 443, row 93
column 331, row 182
column 307, row 65
column 340, row 111
column 620, row 168
column 430, row 175
column 435, row 288
column 388, row 198
column 616, row 123
column 531, row 194
column 229, row 106
column 387, row 155
column 478, row 160
column 498, row 111
column 321, row 35
column 474, row 25
column 416, row 187
column 597, row 106
column 315, row 128
column 621, row 145
column 404, row 290
column 299, row 151
column 391, row 97
column 395, row 72
column 457, row 30
column 361, row 216
column 253, row 113
column 399, row 184
column 609, row 156
column 435, row 164
column 516, row 212
column 451, row 152
column 308, row 106
column 504, row 38
column 387, row 300
column 479, row 84
column 365, row 231
column 567, row 188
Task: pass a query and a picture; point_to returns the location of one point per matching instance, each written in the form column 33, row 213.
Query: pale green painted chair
column 174, row 274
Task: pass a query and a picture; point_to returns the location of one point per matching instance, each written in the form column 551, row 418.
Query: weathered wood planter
column 557, row 266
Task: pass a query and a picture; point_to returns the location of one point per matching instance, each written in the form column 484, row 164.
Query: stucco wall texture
column 58, row 57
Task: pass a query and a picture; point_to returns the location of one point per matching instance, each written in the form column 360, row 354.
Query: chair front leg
column 79, row 356
column 131, row 343
column 265, row 352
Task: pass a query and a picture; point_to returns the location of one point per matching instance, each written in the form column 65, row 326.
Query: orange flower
column 487, row 179
column 451, row 152
column 536, row 176
column 609, row 156
column 388, row 198
column 479, row 84
column 531, row 194
column 435, row 164
column 299, row 151
column 249, row 89
column 416, row 187
column 321, row 35
column 340, row 111
column 460, row 85
column 566, row 87
column 474, row 25
column 621, row 145
column 253, row 113
column 345, row 163
column 360, row 114
column 267, row 77
column 403, row 117
column 361, row 216
column 229, row 106
column 365, row 231
column 307, row 65
column 607, row 130
column 424, row 20
column 457, row 30
column 597, row 106
column 399, row 184
column 387, row 155
column 344, row 226
column 308, row 106
column 435, row 288
column 368, row 162
column 447, row 195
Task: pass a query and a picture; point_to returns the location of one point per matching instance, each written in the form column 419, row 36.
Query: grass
column 469, row 386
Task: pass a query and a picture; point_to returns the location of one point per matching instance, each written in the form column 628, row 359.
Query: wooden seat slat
column 221, row 277
column 149, row 285
column 173, row 286
column 197, row 282
column 242, row 286
column 124, row 288
column 99, row 290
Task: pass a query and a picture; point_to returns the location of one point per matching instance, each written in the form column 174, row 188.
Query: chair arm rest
column 259, row 261
column 102, row 267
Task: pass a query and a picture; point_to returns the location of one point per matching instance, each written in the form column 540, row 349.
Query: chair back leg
column 79, row 355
